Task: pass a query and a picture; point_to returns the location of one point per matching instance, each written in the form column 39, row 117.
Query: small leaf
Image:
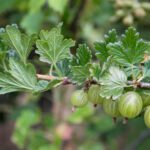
column 21, row 43
column 80, row 73
column 101, row 47
column 64, row 67
column 95, row 71
column 83, row 56
column 18, row 41
column 111, row 37
column 132, row 70
column 130, row 50
column 106, row 65
column 130, row 38
column 52, row 47
column 113, row 83
column 102, row 51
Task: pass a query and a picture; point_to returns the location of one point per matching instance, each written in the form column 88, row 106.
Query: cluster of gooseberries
column 130, row 11
column 130, row 105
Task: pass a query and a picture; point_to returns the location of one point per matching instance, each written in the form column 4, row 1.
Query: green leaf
column 83, row 56
column 80, row 73
column 95, row 71
column 133, row 70
column 101, row 47
column 106, row 65
column 102, row 51
column 18, row 41
column 64, row 67
column 130, row 50
column 130, row 38
column 9, row 89
column 52, row 47
column 113, row 83
column 26, row 74
column 3, row 54
column 111, row 37
column 146, row 71
column 20, row 77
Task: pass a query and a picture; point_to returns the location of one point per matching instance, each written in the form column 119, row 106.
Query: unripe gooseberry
column 111, row 107
column 79, row 98
column 147, row 116
column 130, row 104
column 94, row 94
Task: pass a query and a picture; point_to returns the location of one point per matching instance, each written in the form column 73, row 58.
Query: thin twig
column 67, row 81
column 45, row 77
column 139, row 84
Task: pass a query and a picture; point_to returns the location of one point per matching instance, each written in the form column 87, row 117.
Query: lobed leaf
column 95, row 71
column 130, row 50
column 20, row 77
column 80, row 73
column 21, row 43
column 83, row 56
column 101, row 47
column 52, row 47
column 113, row 83
column 64, row 67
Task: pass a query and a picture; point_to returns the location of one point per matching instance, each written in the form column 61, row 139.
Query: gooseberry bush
column 119, row 79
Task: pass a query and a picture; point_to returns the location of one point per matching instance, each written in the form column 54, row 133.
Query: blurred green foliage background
column 45, row 121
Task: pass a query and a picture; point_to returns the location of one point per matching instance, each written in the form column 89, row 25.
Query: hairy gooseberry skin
column 94, row 94
column 111, row 107
column 79, row 98
column 130, row 104
column 147, row 116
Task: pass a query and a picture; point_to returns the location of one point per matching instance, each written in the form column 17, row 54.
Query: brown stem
column 139, row 84
column 67, row 81
column 45, row 77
